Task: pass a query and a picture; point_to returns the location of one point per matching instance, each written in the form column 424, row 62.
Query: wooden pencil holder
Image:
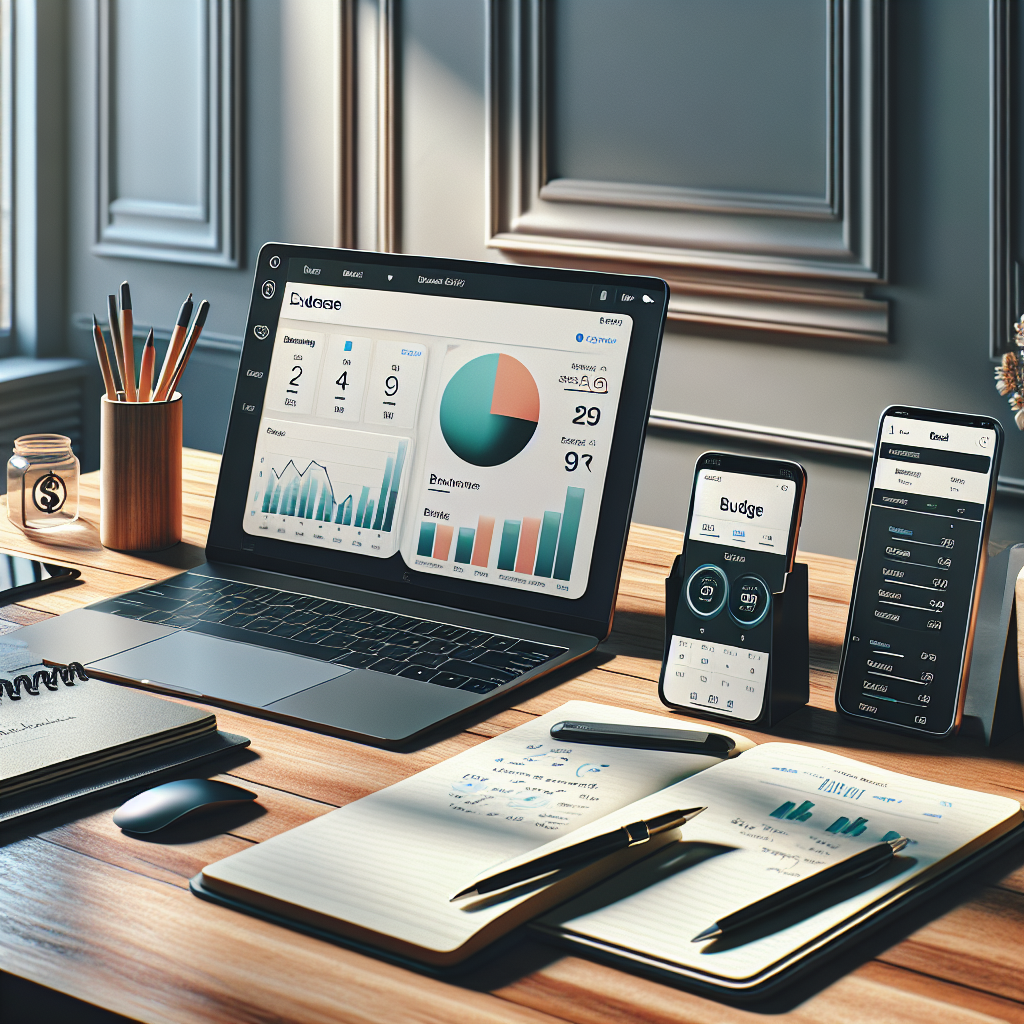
column 140, row 474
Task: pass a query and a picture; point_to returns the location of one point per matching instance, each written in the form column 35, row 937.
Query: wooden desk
column 110, row 920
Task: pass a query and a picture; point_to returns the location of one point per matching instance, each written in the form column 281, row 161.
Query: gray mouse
column 161, row 806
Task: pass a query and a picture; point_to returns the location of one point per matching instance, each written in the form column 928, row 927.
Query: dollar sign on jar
column 49, row 493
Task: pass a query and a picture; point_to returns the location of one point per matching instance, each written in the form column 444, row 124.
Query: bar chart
column 328, row 486
column 543, row 547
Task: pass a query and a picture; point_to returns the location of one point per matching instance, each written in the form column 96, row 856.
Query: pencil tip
column 462, row 895
column 709, row 933
column 95, row 322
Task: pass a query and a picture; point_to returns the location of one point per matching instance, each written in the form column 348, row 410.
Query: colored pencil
column 186, row 352
column 146, row 369
column 115, row 341
column 160, row 389
column 104, row 360
column 127, row 342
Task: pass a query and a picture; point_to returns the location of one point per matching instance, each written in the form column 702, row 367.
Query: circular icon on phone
column 268, row 289
column 749, row 601
column 706, row 591
column 275, row 262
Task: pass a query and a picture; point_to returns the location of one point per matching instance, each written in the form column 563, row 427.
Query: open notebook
column 380, row 871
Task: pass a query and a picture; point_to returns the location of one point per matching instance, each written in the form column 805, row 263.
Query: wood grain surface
column 109, row 920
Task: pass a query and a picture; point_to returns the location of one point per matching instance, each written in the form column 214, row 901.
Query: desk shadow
column 182, row 556
column 81, row 535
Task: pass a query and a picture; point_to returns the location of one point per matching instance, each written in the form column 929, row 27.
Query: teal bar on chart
column 509, row 543
column 547, row 543
column 361, row 507
column 426, row 545
column 384, row 487
column 464, row 545
column 570, row 529
column 396, row 479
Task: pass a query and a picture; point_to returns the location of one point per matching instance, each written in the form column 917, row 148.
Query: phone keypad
column 716, row 677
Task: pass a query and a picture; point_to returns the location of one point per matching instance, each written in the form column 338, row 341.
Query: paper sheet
column 775, row 814
column 390, row 861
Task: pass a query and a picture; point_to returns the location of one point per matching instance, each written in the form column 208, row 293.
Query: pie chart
column 489, row 410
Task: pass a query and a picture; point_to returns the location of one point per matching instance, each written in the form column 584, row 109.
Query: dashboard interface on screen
column 470, row 437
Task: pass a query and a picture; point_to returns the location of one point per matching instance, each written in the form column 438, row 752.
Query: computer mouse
column 158, row 807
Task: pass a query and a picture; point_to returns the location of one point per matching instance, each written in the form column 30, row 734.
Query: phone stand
column 787, row 688
column 993, row 705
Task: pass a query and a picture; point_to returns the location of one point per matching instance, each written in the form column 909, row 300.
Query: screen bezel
column 955, row 419
column 591, row 613
column 749, row 465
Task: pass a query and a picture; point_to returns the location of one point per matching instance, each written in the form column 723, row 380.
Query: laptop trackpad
column 221, row 669
column 389, row 708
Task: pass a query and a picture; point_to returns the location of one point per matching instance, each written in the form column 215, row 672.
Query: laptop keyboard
column 345, row 634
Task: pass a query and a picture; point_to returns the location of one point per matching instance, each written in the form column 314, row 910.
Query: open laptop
column 423, row 502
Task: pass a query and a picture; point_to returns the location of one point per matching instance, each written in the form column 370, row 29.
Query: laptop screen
column 415, row 417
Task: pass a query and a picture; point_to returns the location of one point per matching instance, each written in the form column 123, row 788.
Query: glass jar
column 42, row 482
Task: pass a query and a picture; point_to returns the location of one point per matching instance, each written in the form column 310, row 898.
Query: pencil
column 146, row 369
column 104, row 360
column 115, row 341
column 186, row 352
column 173, row 350
column 127, row 342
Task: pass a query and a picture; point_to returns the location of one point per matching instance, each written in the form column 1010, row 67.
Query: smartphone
column 741, row 535
column 922, row 557
column 21, row 576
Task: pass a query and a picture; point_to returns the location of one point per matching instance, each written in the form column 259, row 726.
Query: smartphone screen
column 915, row 594
column 740, row 539
column 19, row 574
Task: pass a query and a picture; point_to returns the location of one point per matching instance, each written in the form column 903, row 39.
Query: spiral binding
column 31, row 684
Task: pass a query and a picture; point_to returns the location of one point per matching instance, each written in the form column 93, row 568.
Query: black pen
column 644, row 737
column 864, row 863
column 585, row 852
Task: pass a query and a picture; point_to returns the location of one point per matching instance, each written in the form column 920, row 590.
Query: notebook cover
column 136, row 773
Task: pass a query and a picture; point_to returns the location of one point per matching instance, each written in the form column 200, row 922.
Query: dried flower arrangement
column 1010, row 375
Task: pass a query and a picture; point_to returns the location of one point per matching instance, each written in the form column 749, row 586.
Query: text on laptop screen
column 471, row 437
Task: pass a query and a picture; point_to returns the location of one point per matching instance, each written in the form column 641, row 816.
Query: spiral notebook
column 378, row 873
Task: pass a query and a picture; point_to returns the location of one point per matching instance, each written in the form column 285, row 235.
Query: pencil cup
column 140, row 474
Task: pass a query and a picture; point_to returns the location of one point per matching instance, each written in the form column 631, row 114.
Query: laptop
column 423, row 502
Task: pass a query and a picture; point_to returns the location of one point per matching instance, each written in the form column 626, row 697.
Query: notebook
column 379, row 872
column 59, row 731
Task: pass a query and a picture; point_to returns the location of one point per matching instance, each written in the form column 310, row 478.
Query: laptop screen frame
column 590, row 614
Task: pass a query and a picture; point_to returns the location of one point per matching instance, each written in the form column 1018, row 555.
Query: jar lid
column 41, row 444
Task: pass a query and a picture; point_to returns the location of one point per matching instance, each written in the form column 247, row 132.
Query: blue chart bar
column 464, row 545
column 569, row 532
column 396, row 479
column 384, row 487
column 361, row 507
column 547, row 544
column 426, row 545
column 509, row 543
column 368, row 518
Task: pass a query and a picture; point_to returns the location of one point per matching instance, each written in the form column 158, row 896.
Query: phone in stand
column 910, row 631
column 741, row 535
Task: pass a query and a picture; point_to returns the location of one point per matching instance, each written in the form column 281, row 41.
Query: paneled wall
column 828, row 186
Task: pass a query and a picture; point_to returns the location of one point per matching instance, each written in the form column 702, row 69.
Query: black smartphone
column 741, row 535
column 20, row 576
column 922, row 557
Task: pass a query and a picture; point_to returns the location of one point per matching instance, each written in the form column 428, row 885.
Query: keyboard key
column 353, row 659
column 179, row 620
column 474, row 638
column 348, row 627
column 430, row 660
column 303, row 617
column 448, row 679
column 353, row 611
column 378, row 618
column 158, row 601
column 210, row 614
column 540, row 651
column 445, row 632
column 476, row 686
column 358, row 644
column 240, row 619
column 423, row 628
column 394, row 651
column 506, row 661
column 159, row 616
column 263, row 624
column 464, row 653
column 389, row 665
column 421, row 672
column 403, row 622
column 411, row 641
column 315, row 635
column 376, row 633
column 499, row 643
column 440, row 647
column 287, row 629
column 484, row 672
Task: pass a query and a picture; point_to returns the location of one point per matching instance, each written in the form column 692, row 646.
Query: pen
column 644, row 737
column 146, row 369
column 104, row 360
column 173, row 350
column 115, row 342
column 127, row 333
column 186, row 352
column 864, row 863
column 581, row 853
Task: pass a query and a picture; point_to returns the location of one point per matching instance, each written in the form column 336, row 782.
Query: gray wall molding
column 203, row 232
column 793, row 440
column 1002, row 300
column 783, row 253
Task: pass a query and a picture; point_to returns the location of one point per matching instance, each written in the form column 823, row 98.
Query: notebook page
column 776, row 814
column 390, row 861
